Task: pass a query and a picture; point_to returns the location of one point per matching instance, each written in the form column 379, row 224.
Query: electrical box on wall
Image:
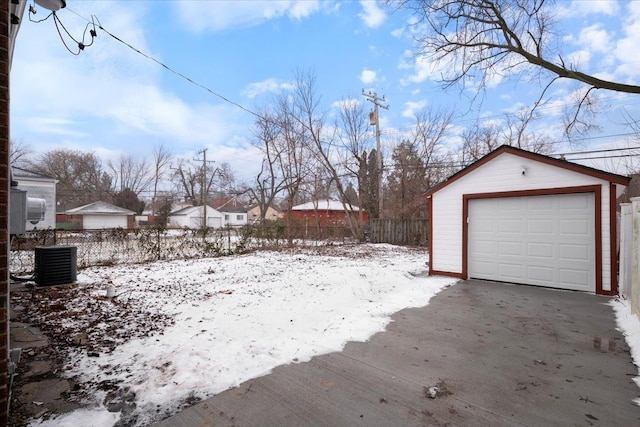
column 23, row 209
column 17, row 211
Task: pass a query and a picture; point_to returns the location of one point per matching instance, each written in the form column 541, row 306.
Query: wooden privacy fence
column 398, row 231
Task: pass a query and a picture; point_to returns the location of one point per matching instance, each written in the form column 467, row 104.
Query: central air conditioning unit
column 56, row 265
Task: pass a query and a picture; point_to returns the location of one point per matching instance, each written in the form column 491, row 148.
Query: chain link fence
column 142, row 245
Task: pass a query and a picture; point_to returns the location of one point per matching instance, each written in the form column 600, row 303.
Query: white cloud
column 219, row 15
column 411, row 108
column 422, row 69
column 596, row 38
column 56, row 126
column 579, row 59
column 346, row 103
column 368, row 76
column 585, row 7
column 398, row 33
column 371, row 14
column 108, row 98
column 626, row 48
column 270, row 85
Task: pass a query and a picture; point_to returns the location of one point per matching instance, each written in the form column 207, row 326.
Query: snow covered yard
column 179, row 331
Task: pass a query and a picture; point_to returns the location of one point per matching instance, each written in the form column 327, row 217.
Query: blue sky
column 113, row 101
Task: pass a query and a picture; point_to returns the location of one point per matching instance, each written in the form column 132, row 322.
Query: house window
column 239, row 217
column 226, row 217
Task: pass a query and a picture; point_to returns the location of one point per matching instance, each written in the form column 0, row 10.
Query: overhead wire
column 255, row 114
column 243, row 108
column 58, row 23
column 168, row 68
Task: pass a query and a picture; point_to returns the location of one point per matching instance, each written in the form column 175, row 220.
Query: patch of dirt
column 73, row 318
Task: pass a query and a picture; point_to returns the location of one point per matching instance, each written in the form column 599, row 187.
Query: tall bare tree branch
column 479, row 40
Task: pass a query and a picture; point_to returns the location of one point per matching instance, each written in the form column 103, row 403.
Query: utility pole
column 374, row 119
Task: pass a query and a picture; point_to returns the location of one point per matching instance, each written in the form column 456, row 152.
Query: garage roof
column 99, row 208
column 596, row 173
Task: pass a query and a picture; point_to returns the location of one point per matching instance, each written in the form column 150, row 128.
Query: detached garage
column 100, row 215
column 522, row 217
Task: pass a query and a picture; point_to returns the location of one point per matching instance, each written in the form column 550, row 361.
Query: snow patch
column 629, row 324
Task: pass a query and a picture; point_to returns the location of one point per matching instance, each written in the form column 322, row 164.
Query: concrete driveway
column 494, row 355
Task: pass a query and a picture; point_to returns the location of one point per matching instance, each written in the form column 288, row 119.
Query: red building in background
column 324, row 213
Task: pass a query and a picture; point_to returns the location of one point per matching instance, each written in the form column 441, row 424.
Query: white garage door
column 97, row 222
column 212, row 222
column 537, row 240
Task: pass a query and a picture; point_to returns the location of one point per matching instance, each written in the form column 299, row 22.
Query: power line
column 168, row 68
column 384, row 132
column 606, row 150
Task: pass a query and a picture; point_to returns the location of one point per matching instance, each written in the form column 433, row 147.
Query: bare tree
column 477, row 40
column 270, row 180
column 294, row 160
column 428, row 135
column 19, row 153
column 352, row 125
column 81, row 178
column 478, row 140
column 188, row 178
column 197, row 181
column 129, row 173
column 321, row 142
column 481, row 138
column 162, row 157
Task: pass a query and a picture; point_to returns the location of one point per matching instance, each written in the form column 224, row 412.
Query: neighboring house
column 234, row 211
column 234, row 216
column 42, row 187
column 326, row 213
column 100, row 215
column 191, row 217
column 520, row 217
column 253, row 214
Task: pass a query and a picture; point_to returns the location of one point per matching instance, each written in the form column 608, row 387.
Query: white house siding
column 191, row 217
column 235, row 219
column 503, row 174
column 97, row 222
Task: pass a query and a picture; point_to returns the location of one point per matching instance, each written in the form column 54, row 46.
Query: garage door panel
column 483, row 247
column 576, row 227
column 576, row 203
column 540, row 250
column 537, row 275
column 539, row 240
column 540, row 226
column 568, row 252
column 509, row 203
column 485, row 225
column 509, row 248
column 574, row 279
column 485, row 270
column 510, row 226
column 510, row 270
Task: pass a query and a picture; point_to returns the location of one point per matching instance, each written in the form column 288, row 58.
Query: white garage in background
column 521, row 217
column 100, row 216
